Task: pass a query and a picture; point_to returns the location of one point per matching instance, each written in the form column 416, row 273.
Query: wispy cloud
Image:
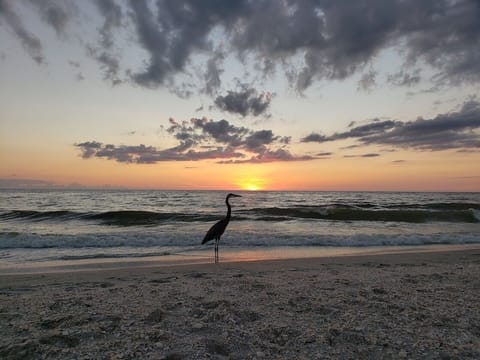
column 404, row 78
column 368, row 155
column 54, row 13
column 452, row 130
column 29, row 41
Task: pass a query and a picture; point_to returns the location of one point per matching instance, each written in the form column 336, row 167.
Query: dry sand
column 420, row 305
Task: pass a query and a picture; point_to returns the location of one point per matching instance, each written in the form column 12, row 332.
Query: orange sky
column 418, row 172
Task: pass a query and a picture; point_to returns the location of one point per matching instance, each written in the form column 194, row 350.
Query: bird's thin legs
column 216, row 251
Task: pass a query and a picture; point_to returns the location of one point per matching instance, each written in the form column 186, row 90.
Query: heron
column 217, row 230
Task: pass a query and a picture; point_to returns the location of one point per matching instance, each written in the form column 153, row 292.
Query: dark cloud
column 448, row 39
column 113, row 18
column 174, row 31
column 89, row 148
column 270, row 156
column 454, row 130
column 29, row 41
column 315, row 137
column 334, row 38
column 259, row 139
column 55, row 13
column 354, row 132
column 245, row 102
column 368, row 155
column 309, row 40
column 201, row 139
column 142, row 154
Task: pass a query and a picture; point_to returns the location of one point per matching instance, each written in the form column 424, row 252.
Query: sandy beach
column 407, row 305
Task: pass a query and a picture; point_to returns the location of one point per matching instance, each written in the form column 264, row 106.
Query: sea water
column 75, row 226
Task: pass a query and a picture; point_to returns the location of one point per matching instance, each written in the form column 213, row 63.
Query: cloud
column 315, row 137
column 367, row 82
column 29, row 41
column 213, row 72
column 113, row 18
column 270, row 156
column 201, row 139
column 55, row 14
column 354, row 132
column 245, row 102
column 259, row 139
column 108, row 63
column 368, row 155
column 142, row 154
column 453, row 130
column 308, row 40
column 403, row 78
column 180, row 29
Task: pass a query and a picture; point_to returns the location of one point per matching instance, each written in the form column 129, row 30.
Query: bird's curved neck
column 229, row 211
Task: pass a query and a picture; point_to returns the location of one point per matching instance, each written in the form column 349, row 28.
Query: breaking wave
column 116, row 218
column 161, row 244
column 435, row 212
column 344, row 213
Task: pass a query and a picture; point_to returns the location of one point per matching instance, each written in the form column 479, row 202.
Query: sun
column 251, row 187
column 251, row 183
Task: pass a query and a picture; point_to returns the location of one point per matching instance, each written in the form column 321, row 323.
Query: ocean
column 58, row 227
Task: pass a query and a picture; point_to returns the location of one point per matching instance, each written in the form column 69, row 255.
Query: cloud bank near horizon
column 310, row 40
column 201, row 139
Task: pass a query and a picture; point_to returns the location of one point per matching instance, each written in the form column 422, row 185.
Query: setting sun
column 251, row 187
column 252, row 184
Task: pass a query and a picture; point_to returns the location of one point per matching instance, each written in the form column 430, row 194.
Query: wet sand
column 406, row 305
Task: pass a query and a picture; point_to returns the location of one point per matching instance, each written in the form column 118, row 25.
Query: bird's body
column 217, row 230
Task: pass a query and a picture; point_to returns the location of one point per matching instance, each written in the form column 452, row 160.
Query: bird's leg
column 216, row 251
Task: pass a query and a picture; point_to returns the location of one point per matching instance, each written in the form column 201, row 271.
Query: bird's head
column 233, row 195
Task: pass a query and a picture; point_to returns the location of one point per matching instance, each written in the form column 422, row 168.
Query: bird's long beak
column 235, row 195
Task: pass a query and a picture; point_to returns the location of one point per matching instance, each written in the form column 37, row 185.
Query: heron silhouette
column 217, row 230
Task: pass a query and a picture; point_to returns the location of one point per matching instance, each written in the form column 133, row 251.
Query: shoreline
column 396, row 305
column 227, row 256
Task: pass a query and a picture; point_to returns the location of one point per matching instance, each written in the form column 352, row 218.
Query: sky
column 367, row 95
